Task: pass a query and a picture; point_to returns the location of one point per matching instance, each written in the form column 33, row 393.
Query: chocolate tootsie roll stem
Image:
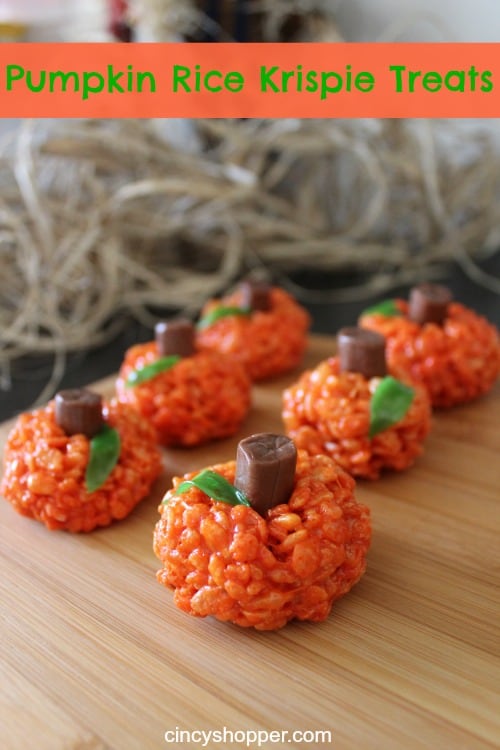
column 255, row 295
column 175, row 337
column 265, row 469
column 79, row 411
column 362, row 351
column 428, row 303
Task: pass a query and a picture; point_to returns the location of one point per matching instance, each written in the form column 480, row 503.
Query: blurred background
column 358, row 20
column 107, row 226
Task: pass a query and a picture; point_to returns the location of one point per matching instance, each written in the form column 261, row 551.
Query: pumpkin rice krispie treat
column 272, row 536
column 445, row 346
column 79, row 463
column 259, row 325
column 190, row 396
column 350, row 409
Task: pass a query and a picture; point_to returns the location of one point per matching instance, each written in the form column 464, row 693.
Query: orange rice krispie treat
column 349, row 409
column 189, row 396
column 77, row 464
column 263, row 540
column 442, row 344
column 261, row 326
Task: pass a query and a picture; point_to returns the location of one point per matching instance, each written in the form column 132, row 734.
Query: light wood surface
column 95, row 656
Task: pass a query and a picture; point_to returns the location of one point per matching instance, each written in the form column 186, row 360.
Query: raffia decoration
column 102, row 218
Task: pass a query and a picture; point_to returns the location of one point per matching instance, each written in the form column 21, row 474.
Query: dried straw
column 101, row 217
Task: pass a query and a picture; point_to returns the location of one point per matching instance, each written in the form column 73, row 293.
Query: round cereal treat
column 71, row 480
column 263, row 327
column 223, row 558
column 445, row 346
column 365, row 422
column 191, row 397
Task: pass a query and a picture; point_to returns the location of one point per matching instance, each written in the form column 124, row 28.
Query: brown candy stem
column 428, row 303
column 362, row 351
column 265, row 469
column 255, row 295
column 79, row 411
column 175, row 337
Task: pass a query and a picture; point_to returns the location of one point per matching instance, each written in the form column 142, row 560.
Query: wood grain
column 95, row 656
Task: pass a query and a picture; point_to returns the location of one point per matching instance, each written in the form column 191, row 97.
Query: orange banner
column 250, row 80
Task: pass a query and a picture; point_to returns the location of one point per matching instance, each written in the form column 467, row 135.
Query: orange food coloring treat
column 328, row 412
column 267, row 342
column 44, row 476
column 254, row 571
column 202, row 397
column 457, row 361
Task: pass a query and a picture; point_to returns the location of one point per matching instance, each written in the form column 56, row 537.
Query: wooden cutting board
column 94, row 655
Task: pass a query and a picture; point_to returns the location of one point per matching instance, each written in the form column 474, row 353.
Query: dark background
column 30, row 375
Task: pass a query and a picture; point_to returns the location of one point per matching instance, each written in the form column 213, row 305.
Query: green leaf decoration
column 148, row 372
column 389, row 404
column 215, row 486
column 387, row 307
column 221, row 312
column 104, row 454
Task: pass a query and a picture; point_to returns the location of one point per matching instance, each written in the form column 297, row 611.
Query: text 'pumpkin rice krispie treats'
column 261, row 326
column 274, row 536
column 348, row 408
column 445, row 346
column 78, row 463
column 190, row 396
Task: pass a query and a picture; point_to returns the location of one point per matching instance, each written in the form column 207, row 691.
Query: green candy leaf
column 104, row 454
column 215, row 486
column 389, row 404
column 148, row 372
column 387, row 307
column 221, row 312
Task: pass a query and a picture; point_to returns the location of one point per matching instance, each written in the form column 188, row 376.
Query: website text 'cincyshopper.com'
column 248, row 738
